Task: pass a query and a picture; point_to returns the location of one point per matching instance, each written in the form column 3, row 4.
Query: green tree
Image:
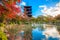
column 3, row 36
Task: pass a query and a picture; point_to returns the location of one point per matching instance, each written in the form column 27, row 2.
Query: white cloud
column 52, row 31
column 23, row 3
column 58, row 5
column 43, row 6
column 53, row 11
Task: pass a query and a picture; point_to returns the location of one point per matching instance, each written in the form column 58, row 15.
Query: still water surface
column 38, row 35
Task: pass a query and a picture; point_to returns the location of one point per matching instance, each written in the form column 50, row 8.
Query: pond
column 38, row 35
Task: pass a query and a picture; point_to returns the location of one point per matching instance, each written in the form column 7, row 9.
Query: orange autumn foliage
column 10, row 8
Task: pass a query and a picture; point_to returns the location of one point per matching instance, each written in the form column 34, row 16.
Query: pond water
column 38, row 35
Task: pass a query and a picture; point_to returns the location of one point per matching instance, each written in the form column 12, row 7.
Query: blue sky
column 36, row 11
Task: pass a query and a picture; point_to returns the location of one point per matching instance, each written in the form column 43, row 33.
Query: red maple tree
column 9, row 8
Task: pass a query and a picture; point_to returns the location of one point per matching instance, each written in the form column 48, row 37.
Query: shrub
column 2, row 36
